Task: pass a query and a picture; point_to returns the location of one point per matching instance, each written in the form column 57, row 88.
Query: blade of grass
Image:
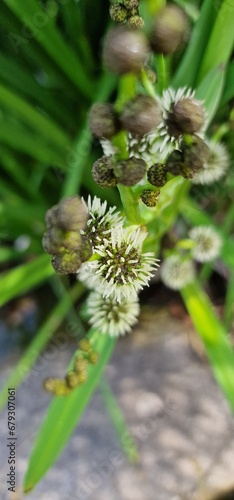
column 228, row 92
column 229, row 302
column 221, row 40
column 190, row 65
column 214, row 337
column 118, row 420
column 64, row 414
column 48, row 36
column 44, row 334
column 210, row 91
column 23, row 278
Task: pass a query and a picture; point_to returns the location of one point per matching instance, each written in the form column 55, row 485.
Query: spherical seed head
column 51, row 217
column 207, row 243
column 72, row 214
column 103, row 173
column 131, row 4
column 93, row 357
column 175, row 162
column 52, row 241
column 195, row 154
column 125, row 50
column 170, row 27
column 149, row 197
column 62, row 389
column 186, row 117
column 103, row 120
column 136, row 22
column 216, row 166
column 85, row 345
column 80, row 364
column 50, row 384
column 156, row 175
column 177, row 272
column 130, row 172
column 82, row 377
column 118, row 13
column 71, row 379
column 141, row 115
column 67, row 263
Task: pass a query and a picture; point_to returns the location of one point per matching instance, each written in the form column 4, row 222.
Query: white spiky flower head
column 101, row 221
column 177, row 272
column 121, row 269
column 207, row 243
column 111, row 317
column 216, row 167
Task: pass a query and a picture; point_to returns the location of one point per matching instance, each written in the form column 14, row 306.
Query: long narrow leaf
column 63, row 415
column 210, row 91
column 214, row 337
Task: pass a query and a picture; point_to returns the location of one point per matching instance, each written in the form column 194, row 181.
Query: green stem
column 161, row 73
column 149, row 86
column 130, row 205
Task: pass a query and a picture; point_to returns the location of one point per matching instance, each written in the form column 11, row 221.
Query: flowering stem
column 161, row 73
column 149, row 87
column 130, row 205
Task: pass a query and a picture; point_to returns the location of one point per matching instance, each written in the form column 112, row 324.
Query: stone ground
column 179, row 419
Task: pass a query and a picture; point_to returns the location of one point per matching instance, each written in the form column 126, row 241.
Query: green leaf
column 210, row 91
column 228, row 92
column 190, row 65
column 221, row 40
column 63, row 415
column 229, row 302
column 23, row 278
column 44, row 334
column 214, row 337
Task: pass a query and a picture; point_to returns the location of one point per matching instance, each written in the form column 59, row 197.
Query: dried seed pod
column 186, row 117
column 150, row 197
column 141, row 115
column 169, row 29
column 195, row 154
column 52, row 216
column 130, row 172
column 125, row 50
column 103, row 172
column 103, row 121
column 118, row 13
column 156, row 175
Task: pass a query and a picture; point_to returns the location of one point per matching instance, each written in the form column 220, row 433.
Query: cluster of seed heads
column 77, row 376
column 127, row 11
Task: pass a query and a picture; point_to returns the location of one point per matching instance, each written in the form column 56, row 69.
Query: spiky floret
column 121, row 270
column 101, row 220
column 177, row 272
column 207, row 243
column 216, row 167
column 111, row 317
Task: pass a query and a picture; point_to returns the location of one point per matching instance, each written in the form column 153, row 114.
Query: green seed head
column 136, row 22
column 103, row 120
column 131, row 4
column 195, row 154
column 118, row 13
column 130, row 172
column 175, row 163
column 85, row 345
column 80, row 364
column 71, row 379
column 72, row 214
column 93, row 357
column 186, row 117
column 149, row 197
column 157, row 174
column 103, row 172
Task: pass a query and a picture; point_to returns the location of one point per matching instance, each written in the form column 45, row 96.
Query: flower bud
column 157, row 174
column 118, row 13
column 150, row 197
column 93, row 357
column 141, row 115
column 103, row 172
column 71, row 379
column 103, row 120
column 186, row 117
column 131, row 4
column 72, row 214
column 130, row 172
column 125, row 50
column 80, row 364
column 169, row 29
column 85, row 345
column 136, row 22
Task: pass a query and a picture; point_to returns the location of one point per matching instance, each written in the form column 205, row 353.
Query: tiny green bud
column 85, row 345
column 150, row 197
column 80, row 364
column 93, row 357
column 103, row 120
column 130, row 172
column 103, row 172
column 170, row 27
column 141, row 115
column 82, row 377
column 118, row 13
column 131, row 4
column 71, row 379
column 125, row 50
column 157, row 174
column 136, row 22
